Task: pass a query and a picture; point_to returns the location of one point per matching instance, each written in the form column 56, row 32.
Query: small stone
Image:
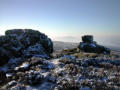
column 12, row 83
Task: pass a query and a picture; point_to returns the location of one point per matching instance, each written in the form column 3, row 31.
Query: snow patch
column 25, row 65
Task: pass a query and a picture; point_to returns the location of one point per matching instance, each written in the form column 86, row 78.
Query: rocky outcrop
column 88, row 45
column 24, row 42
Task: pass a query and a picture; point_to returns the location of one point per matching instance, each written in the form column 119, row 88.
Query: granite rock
column 24, row 42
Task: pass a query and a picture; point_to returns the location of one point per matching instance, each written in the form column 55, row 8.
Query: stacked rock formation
column 88, row 45
column 24, row 42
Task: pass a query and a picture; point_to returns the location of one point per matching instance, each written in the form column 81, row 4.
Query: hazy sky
column 64, row 20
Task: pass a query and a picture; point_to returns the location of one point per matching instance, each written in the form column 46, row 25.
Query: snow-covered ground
column 66, row 73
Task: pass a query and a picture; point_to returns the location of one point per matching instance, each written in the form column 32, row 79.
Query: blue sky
column 64, row 20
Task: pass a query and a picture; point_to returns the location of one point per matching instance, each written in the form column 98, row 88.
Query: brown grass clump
column 72, row 69
column 85, row 55
column 76, row 52
column 71, row 84
column 70, row 51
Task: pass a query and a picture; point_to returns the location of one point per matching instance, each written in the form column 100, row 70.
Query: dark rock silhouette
column 3, row 77
column 24, row 42
column 88, row 45
column 87, row 38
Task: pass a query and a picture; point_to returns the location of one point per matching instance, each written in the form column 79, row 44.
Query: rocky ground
column 64, row 73
column 65, row 69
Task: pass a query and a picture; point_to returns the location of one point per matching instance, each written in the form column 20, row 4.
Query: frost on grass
column 68, row 73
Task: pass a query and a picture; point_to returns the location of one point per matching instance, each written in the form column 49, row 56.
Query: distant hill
column 59, row 45
column 115, row 48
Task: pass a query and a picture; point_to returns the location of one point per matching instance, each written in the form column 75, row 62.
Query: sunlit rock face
column 24, row 42
column 88, row 45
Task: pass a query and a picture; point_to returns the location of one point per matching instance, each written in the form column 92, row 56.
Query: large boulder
column 24, row 42
column 88, row 45
column 87, row 38
column 29, row 37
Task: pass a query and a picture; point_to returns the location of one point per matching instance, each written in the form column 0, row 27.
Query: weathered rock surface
column 88, row 45
column 24, row 42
